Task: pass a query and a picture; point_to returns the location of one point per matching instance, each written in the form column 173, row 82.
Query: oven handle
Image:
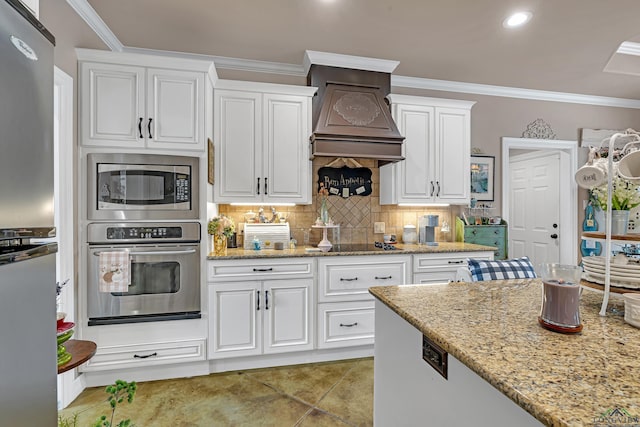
column 188, row 251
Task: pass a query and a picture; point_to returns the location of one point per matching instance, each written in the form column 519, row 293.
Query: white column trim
column 69, row 384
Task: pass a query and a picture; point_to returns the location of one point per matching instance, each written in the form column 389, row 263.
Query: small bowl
column 60, row 318
column 632, row 309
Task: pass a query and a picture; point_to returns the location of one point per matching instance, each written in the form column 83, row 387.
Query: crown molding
column 511, row 92
column 91, row 17
column 629, row 48
column 347, row 61
column 224, row 62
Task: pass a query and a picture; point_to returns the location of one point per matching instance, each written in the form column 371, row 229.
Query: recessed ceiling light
column 517, row 19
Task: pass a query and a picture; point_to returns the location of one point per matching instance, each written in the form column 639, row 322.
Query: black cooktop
column 363, row 247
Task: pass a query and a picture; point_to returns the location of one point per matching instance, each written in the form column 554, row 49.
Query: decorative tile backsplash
column 355, row 215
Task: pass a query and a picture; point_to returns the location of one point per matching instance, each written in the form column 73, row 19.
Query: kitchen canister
column 409, row 234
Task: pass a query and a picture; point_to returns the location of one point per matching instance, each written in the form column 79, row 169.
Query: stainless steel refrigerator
column 28, row 365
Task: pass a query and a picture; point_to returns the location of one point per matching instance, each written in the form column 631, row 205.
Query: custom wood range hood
column 351, row 117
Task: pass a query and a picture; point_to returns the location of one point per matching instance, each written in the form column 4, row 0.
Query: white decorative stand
column 325, row 245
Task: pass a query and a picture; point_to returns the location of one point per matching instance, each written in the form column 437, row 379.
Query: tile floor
column 329, row 394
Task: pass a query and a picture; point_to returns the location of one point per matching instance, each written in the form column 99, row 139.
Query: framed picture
column 482, row 173
column 210, row 162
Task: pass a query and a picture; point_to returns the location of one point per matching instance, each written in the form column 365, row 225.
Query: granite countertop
column 492, row 327
column 443, row 247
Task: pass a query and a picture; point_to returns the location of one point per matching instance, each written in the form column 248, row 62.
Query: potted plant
column 625, row 196
column 220, row 228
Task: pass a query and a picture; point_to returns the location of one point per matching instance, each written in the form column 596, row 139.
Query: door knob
column 554, row 236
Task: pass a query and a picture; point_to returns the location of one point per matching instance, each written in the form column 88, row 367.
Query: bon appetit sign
column 345, row 181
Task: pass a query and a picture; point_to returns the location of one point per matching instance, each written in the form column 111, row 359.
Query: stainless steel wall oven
column 164, row 272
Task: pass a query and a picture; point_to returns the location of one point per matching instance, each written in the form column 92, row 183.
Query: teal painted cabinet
column 489, row 235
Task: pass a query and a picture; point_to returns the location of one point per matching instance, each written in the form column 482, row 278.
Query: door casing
column 568, row 189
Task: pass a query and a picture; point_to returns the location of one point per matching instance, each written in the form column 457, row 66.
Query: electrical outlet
column 378, row 227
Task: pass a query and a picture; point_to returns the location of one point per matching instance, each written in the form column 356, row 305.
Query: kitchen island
column 503, row 367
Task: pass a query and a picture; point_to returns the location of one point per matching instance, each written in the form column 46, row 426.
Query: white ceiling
column 565, row 48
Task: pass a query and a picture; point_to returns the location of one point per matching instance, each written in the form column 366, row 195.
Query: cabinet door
column 235, row 321
column 112, row 105
column 286, row 164
column 175, row 109
column 288, row 315
column 452, row 155
column 416, row 123
column 238, row 146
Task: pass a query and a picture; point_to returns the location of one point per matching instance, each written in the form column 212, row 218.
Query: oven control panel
column 120, row 233
column 137, row 232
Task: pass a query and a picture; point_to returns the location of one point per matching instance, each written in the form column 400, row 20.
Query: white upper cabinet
column 261, row 137
column 436, row 150
column 124, row 103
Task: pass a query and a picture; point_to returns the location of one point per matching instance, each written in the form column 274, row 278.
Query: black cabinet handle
column 140, row 128
column 258, row 300
column 263, row 269
column 554, row 236
column 137, row 356
column 383, row 277
column 438, row 184
column 348, row 280
column 258, row 186
column 348, row 325
column 456, row 262
column 149, row 129
column 432, row 189
column 496, row 232
column 266, row 300
column 474, row 232
column 265, row 185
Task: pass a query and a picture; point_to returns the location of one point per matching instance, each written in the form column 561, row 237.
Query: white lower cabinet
column 345, row 306
column 135, row 355
column 253, row 310
column 343, row 324
column 441, row 267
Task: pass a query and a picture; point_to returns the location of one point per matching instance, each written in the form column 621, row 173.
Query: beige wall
column 492, row 118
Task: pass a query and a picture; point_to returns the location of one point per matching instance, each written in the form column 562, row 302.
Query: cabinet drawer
column 345, row 324
column 339, row 280
column 129, row 356
column 257, row 269
column 485, row 232
column 445, row 261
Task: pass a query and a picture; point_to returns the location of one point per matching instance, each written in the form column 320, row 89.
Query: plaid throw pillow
column 519, row 268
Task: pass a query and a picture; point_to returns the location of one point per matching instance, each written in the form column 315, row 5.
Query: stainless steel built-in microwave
column 142, row 186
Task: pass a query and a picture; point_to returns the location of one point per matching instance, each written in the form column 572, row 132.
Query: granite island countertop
column 492, row 327
column 443, row 247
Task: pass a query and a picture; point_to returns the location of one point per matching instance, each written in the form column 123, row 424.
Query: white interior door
column 535, row 207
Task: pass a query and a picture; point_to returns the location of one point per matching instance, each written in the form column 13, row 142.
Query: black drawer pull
column 348, row 325
column 348, row 280
column 496, row 231
column 456, row 262
column 263, row 269
column 474, row 232
column 137, row 356
column 383, row 278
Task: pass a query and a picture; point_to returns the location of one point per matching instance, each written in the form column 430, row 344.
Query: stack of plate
column 65, row 331
column 622, row 275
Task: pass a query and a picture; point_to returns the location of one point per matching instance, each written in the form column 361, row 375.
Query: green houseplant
column 118, row 392
column 220, row 228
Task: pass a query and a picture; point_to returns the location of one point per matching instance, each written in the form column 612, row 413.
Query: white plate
column 599, row 261
column 613, row 282
column 617, row 272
